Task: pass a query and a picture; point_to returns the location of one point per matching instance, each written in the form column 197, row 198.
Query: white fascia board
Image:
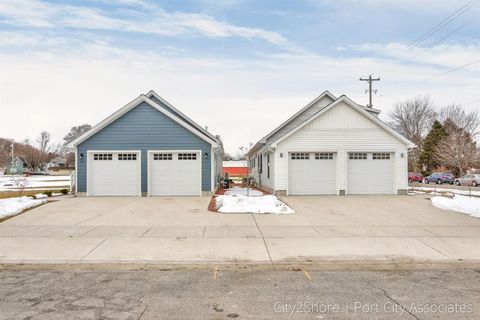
column 117, row 114
column 180, row 121
column 361, row 110
column 128, row 107
column 324, row 94
column 186, row 118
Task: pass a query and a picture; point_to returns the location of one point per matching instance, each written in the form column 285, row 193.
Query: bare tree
column 458, row 151
column 468, row 121
column 413, row 118
column 43, row 141
column 76, row 132
column 20, row 182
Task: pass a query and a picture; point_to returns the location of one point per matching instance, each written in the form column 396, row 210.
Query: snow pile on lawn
column 36, row 182
column 440, row 191
column 257, row 204
column 468, row 205
column 13, row 206
column 243, row 192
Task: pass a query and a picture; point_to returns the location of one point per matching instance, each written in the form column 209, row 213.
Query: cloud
column 155, row 20
column 62, row 89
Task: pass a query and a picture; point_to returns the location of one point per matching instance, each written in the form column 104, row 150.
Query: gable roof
column 358, row 108
column 132, row 104
column 292, row 120
column 180, row 114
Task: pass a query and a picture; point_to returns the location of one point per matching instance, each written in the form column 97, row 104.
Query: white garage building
column 333, row 146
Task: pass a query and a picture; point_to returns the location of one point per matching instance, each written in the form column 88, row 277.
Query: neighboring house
column 235, row 168
column 332, row 146
column 148, row 147
column 58, row 166
column 16, row 166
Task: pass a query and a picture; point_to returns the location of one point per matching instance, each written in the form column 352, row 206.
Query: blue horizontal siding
column 143, row 128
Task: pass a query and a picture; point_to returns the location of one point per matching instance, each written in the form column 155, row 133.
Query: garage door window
column 381, row 156
column 357, row 156
column 162, row 156
column 102, row 156
column 187, row 156
column 300, row 156
column 127, row 156
column 324, row 156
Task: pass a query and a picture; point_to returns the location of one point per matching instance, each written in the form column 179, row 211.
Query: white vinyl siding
column 341, row 129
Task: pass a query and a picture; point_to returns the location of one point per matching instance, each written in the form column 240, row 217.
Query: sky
column 240, row 67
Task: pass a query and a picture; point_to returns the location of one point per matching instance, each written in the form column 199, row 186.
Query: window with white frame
column 268, row 165
column 357, row 156
column 299, row 156
column 381, row 156
column 187, row 156
column 127, row 156
column 102, row 156
column 162, row 156
column 324, row 156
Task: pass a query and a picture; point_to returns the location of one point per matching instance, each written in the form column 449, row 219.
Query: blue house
column 147, row 148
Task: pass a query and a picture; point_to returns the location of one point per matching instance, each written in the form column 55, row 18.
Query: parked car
column 468, row 180
column 440, row 177
column 415, row 177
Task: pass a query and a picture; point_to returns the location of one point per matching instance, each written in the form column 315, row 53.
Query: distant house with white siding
column 332, row 146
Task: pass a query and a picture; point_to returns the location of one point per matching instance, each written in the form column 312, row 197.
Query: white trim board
column 189, row 120
column 355, row 106
column 129, row 106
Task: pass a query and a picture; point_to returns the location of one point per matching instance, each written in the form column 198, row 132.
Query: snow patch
column 256, row 204
column 13, row 206
column 36, row 182
column 467, row 205
column 440, row 191
column 243, row 192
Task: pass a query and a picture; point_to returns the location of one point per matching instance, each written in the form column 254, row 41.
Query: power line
column 467, row 6
column 454, row 69
column 451, row 33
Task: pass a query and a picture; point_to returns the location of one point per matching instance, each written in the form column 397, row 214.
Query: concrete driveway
column 163, row 230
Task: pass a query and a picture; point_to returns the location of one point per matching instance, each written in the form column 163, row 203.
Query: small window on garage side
column 324, row 156
column 187, row 156
column 102, row 156
column 299, row 155
column 381, row 156
column 162, row 156
column 357, row 156
column 268, row 166
column 127, row 156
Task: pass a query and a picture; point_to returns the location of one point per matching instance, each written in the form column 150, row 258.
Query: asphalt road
column 218, row 293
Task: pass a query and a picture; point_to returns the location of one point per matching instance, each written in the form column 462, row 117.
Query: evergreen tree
column 433, row 138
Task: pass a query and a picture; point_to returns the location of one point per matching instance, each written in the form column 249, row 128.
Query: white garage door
column 175, row 173
column 312, row 173
column 114, row 173
column 370, row 173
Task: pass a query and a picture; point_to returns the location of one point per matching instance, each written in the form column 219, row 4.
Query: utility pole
column 13, row 150
column 370, row 80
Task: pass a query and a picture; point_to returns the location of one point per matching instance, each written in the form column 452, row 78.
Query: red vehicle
column 415, row 177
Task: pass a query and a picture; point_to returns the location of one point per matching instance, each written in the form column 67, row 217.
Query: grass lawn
column 12, row 194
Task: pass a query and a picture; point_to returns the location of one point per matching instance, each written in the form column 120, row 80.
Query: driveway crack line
column 265, row 243
column 98, row 245
column 426, row 244
column 146, row 231
column 393, row 300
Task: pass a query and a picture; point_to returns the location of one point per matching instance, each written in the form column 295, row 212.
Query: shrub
column 64, row 191
column 48, row 193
